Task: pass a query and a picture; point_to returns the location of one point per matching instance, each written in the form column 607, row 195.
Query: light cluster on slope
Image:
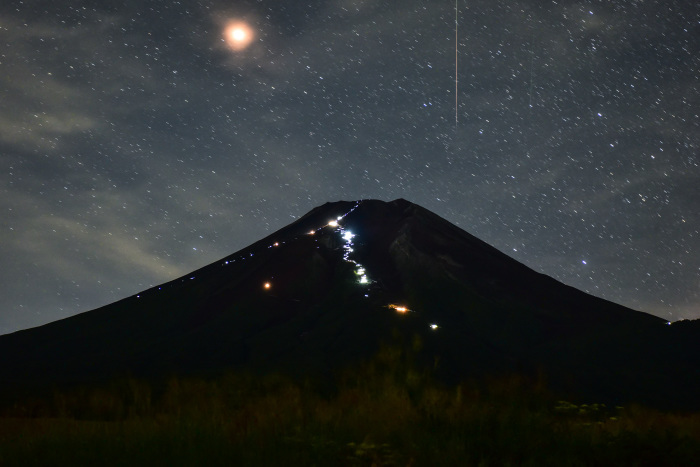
column 347, row 236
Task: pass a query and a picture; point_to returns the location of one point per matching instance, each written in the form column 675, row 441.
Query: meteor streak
column 456, row 61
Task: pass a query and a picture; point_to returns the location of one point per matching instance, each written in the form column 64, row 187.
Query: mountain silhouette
column 329, row 289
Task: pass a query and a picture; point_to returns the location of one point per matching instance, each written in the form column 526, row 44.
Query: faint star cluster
column 141, row 141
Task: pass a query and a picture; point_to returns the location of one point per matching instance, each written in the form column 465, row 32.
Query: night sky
column 141, row 141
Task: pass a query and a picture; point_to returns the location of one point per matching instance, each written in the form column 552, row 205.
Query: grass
column 382, row 413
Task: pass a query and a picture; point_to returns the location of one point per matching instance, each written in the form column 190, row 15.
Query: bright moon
column 238, row 35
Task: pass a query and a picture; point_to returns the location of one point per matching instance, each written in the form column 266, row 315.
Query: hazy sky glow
column 143, row 140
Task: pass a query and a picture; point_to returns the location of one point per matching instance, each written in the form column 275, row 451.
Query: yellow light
column 267, row 285
column 333, row 224
column 312, row 232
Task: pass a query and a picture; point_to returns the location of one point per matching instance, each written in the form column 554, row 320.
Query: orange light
column 267, row 285
column 312, row 232
column 276, row 244
column 399, row 309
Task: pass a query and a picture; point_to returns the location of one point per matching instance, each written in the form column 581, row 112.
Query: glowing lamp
column 333, row 224
column 267, row 285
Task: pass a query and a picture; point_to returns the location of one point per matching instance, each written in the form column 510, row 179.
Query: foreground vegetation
column 381, row 414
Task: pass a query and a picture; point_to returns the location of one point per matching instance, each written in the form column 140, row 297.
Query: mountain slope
column 326, row 290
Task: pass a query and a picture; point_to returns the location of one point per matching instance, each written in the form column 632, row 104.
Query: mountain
column 329, row 289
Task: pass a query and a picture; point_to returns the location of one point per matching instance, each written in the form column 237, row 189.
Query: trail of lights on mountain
column 348, row 238
column 360, row 271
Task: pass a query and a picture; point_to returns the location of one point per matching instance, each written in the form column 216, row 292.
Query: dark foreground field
column 380, row 414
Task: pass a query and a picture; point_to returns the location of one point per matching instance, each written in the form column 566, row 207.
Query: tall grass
column 382, row 413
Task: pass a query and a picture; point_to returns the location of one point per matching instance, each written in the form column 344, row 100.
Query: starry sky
column 141, row 141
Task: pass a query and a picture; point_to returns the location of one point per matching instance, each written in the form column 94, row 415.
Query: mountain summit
column 330, row 288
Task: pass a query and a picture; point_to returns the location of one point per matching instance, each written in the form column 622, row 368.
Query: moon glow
column 238, row 35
